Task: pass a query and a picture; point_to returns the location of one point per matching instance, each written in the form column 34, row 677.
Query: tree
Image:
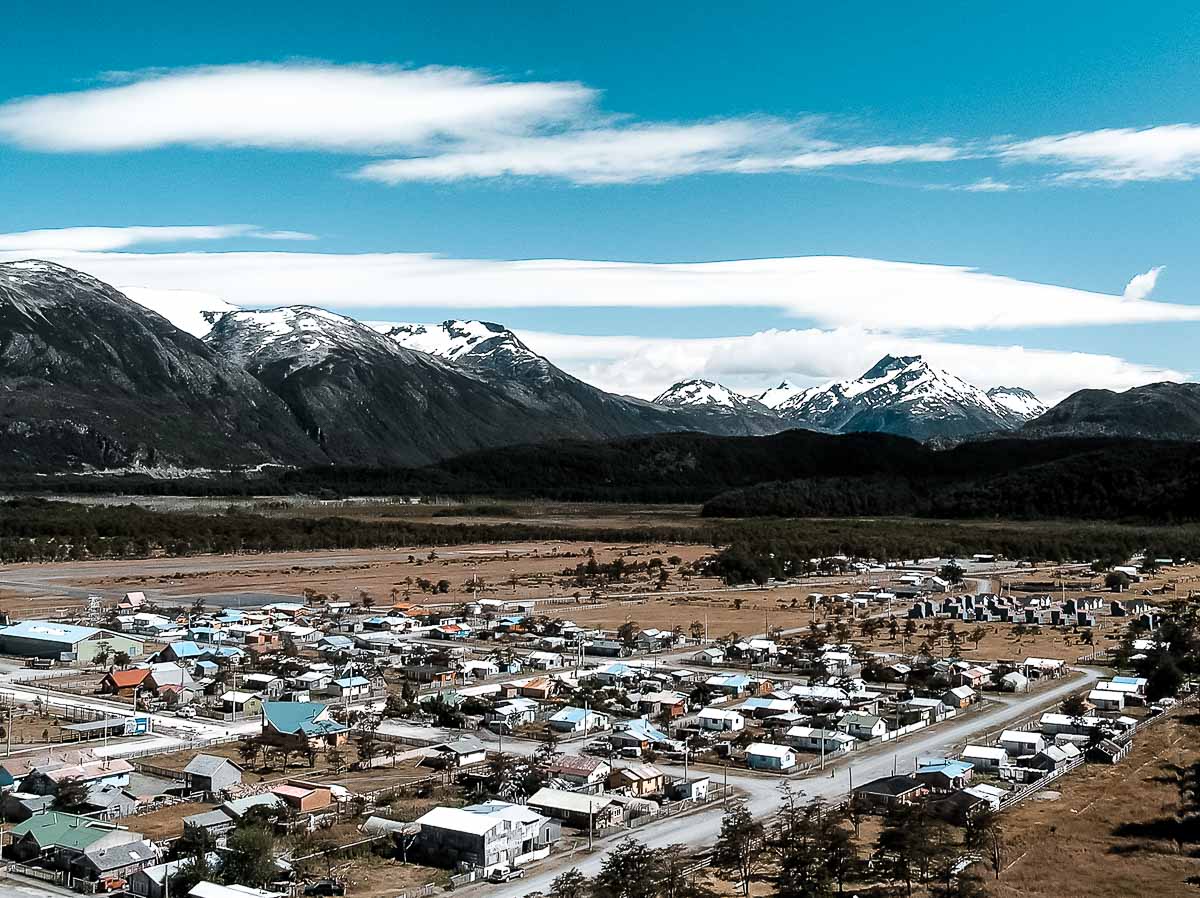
column 103, row 653
column 962, row 885
column 335, row 758
column 1074, row 706
column 121, row 659
column 984, row 834
column 249, row 857
column 951, row 573
column 194, row 870
column 675, row 881
column 1164, row 680
column 71, row 795
column 696, row 630
column 367, row 748
column 248, row 751
column 1117, row 581
column 630, row 870
column 628, row 632
column 977, row 636
column 738, row 845
column 571, row 884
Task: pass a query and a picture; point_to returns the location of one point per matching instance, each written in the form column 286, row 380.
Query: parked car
column 504, row 874
column 186, row 712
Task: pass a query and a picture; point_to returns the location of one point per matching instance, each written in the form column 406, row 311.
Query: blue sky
column 1049, row 146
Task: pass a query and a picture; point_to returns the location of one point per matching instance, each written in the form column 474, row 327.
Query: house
column 730, row 684
column 666, row 702
column 975, row 677
column 1018, row 743
column 639, row 780
column 44, row 780
column 577, row 808
column 544, row 660
column 959, row 806
column 123, row 682
column 483, row 840
column 514, row 712
column 1054, row 757
column 1053, row 724
column 1106, row 751
column 578, row 720
column 540, row 688
column 215, row 823
column 889, row 791
column 762, row 706
column 212, row 774
column 959, row 697
column 59, row 641
column 692, row 789
column 462, row 752
column 300, row 725
column 299, row 634
column 637, row 733
column 944, row 775
column 350, row 688
column 765, row 756
column 1014, row 681
column 721, row 720
column 819, row 740
column 267, row 685
column 709, row 656
column 304, row 798
column 1106, row 700
column 83, row 847
column 863, row 726
column 151, row 882
column 985, row 757
column 207, row 889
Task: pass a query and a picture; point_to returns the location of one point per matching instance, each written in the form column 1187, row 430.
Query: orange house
column 123, row 682
column 304, row 798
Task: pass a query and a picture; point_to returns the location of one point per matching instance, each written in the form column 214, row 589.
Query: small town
column 337, row 747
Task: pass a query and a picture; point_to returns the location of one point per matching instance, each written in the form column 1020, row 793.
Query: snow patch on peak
column 305, row 335
column 490, row 349
column 777, row 396
column 1019, row 401
column 697, row 392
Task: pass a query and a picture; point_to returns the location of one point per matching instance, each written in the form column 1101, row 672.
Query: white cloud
column 832, row 291
column 357, row 108
column 987, row 185
column 644, row 366
column 652, row 152
column 101, row 239
column 1164, row 152
column 1140, row 286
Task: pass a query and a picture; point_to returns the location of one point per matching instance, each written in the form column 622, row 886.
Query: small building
column 1106, row 700
column 959, row 697
column 124, row 682
column 639, row 780
column 889, row 791
column 584, row 772
column 243, row 704
column 304, row 798
column 577, row 808
column 985, row 757
column 815, row 739
column 863, row 726
column 351, row 688
column 1019, row 743
column 943, row 774
column 212, row 774
column 959, row 806
column 577, row 720
column 765, row 756
column 1014, row 681
column 463, row 752
column 721, row 720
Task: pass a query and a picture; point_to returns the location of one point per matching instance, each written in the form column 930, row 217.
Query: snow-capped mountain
column 697, row 393
column 777, row 396
column 905, row 395
column 481, row 345
column 1023, row 405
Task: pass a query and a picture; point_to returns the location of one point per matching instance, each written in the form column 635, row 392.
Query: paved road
column 762, row 792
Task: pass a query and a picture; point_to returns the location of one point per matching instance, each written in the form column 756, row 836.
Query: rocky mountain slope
column 1169, row 411
column 706, row 394
column 90, row 378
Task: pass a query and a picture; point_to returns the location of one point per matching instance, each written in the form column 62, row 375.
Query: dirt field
column 165, row 823
column 1107, row 835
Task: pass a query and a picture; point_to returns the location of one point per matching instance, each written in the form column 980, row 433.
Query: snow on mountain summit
column 703, row 393
column 484, row 346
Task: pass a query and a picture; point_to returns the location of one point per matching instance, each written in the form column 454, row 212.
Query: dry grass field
column 1107, row 834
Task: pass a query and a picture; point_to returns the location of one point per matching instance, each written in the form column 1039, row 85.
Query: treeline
column 792, row 474
column 760, row 550
column 753, row 550
column 1150, row 482
column 40, row 530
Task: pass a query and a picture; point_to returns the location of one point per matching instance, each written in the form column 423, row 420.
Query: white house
column 1107, row 700
column 710, row 655
column 764, row 756
column 815, row 739
column 985, row 757
column 1021, row 742
column 721, row 720
column 1015, row 681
